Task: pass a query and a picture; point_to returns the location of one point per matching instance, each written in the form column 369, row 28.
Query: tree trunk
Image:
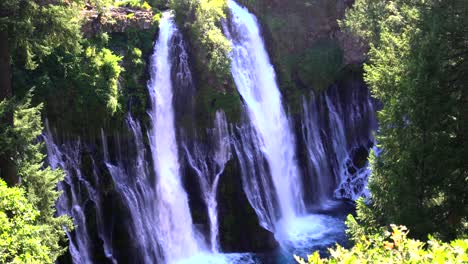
column 7, row 165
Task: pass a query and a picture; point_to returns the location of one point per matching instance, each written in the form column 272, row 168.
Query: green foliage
column 21, row 237
column 135, row 45
column 104, row 70
column 210, row 48
column 365, row 18
column 36, row 28
column 365, row 224
column 92, row 87
column 417, row 65
column 29, row 231
column 80, row 89
column 395, row 247
column 100, row 5
column 320, row 65
column 134, row 4
column 208, row 33
column 81, row 81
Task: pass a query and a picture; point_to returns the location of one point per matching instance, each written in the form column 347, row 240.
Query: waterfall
column 72, row 202
column 337, row 132
column 127, row 198
column 209, row 162
column 132, row 182
column 174, row 227
column 319, row 168
column 256, row 82
column 257, row 184
column 79, row 191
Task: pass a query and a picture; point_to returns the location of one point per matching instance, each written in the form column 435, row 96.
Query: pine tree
column 29, row 230
column 30, row 30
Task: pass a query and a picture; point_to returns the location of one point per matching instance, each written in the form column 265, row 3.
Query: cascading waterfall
column 255, row 175
column 357, row 122
column 318, row 165
column 78, row 192
column 256, row 82
column 133, row 184
column 74, row 200
column 174, row 226
column 131, row 181
column 337, row 133
column 209, row 162
column 153, row 217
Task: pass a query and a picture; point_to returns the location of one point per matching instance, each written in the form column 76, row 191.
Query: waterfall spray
column 174, row 226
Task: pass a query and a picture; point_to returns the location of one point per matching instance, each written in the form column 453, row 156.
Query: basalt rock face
column 240, row 230
column 115, row 20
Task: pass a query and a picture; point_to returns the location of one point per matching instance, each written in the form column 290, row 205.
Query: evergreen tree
column 29, row 230
column 30, row 30
column 418, row 68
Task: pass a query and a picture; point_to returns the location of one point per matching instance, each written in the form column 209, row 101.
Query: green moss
column 135, row 46
column 210, row 99
column 200, row 22
column 320, row 65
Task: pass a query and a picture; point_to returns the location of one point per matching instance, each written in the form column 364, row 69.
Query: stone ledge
column 115, row 20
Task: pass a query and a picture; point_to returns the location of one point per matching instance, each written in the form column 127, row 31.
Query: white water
column 209, row 164
column 132, row 183
column 78, row 191
column 254, row 172
column 256, row 82
column 174, row 227
column 79, row 248
column 321, row 171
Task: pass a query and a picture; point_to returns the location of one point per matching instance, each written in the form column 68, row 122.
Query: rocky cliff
column 115, row 20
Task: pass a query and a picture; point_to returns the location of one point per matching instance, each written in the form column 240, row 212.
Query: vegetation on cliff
column 202, row 23
column 30, row 231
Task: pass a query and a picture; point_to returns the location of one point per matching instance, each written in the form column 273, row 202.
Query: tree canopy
column 418, row 60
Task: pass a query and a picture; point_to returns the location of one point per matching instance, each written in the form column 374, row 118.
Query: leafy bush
column 104, row 71
column 202, row 21
column 21, row 238
column 395, row 247
column 212, row 46
column 208, row 33
column 134, row 4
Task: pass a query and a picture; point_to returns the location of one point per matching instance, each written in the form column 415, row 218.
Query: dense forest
column 160, row 131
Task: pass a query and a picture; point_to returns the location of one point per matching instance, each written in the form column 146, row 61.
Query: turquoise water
column 317, row 231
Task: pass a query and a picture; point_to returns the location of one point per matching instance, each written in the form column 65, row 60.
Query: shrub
column 395, row 247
